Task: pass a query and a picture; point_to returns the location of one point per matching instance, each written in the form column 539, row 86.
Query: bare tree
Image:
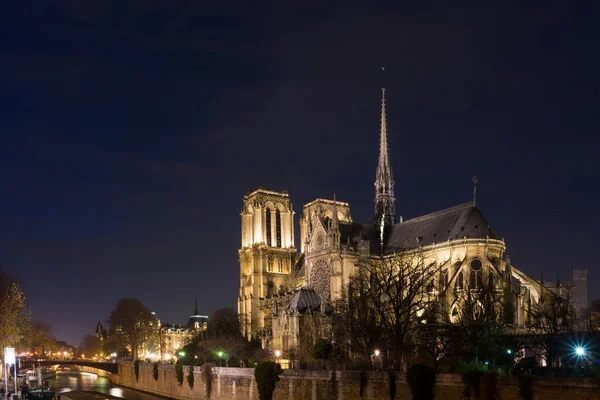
column 384, row 302
column 477, row 322
column 38, row 335
column 591, row 316
column 132, row 322
column 433, row 336
column 554, row 315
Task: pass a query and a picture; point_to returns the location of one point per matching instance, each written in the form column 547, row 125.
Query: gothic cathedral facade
column 280, row 283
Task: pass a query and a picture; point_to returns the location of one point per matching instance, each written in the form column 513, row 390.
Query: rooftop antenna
column 475, row 181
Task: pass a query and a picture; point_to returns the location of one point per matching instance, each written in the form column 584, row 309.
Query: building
column 278, row 284
column 101, row 332
column 173, row 337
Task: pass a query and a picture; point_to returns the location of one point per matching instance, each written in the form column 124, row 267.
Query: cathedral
column 280, row 283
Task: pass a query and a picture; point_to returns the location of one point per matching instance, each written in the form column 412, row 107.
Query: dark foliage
column 328, row 352
column 136, row 369
column 267, row 375
column 190, row 378
column 207, row 377
column 363, row 380
column 392, row 384
column 421, row 379
column 179, row 372
column 224, row 323
column 334, row 386
column 155, row 371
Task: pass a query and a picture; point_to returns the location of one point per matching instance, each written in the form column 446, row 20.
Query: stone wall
column 239, row 383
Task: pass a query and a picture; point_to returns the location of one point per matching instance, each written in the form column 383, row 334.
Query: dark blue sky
column 130, row 130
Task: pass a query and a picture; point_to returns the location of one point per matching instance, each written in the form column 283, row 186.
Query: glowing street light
column 277, row 353
column 182, row 354
column 377, row 353
column 509, row 351
column 580, row 351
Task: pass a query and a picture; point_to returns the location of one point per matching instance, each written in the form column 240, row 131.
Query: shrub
column 392, row 383
column 267, row 374
column 364, row 378
column 207, row 377
column 525, row 387
column 334, row 387
column 179, row 372
column 472, row 381
column 421, row 379
column 155, row 371
column 190, row 378
column 136, row 369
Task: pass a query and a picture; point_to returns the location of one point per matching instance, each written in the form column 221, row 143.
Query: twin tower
column 268, row 254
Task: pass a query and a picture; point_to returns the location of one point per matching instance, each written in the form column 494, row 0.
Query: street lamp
column 220, row 355
column 580, row 352
column 377, row 354
column 277, row 355
column 509, row 352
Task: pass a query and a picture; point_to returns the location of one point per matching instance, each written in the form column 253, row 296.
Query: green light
column 220, row 354
column 182, row 353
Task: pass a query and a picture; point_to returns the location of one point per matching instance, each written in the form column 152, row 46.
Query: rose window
column 319, row 278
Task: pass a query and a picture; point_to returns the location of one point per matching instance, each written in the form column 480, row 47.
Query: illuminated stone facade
column 278, row 288
column 266, row 256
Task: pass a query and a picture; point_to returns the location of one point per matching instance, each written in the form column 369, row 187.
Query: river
column 67, row 381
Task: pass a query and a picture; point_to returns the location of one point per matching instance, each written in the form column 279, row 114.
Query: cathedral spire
column 384, row 183
column 475, row 180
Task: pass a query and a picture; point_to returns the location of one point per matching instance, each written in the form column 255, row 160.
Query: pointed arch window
column 278, row 227
column 268, row 220
column 460, row 281
column 476, row 275
column 443, row 279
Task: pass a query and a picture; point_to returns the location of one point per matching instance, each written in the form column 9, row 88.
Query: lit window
column 278, row 227
column 268, row 219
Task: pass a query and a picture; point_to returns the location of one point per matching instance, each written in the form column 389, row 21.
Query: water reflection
column 65, row 382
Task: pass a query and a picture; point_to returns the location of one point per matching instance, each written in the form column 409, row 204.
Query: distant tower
column 579, row 290
column 385, row 210
column 266, row 255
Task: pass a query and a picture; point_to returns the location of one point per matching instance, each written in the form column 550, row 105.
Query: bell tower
column 267, row 255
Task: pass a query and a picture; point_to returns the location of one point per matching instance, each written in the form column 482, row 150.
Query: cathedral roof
column 462, row 221
column 352, row 233
column 304, row 300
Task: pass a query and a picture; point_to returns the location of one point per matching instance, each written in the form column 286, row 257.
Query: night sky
column 130, row 131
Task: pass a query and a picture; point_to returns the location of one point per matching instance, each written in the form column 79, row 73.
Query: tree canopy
column 13, row 317
column 132, row 322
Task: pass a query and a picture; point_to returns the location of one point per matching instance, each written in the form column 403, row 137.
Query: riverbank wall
column 239, row 383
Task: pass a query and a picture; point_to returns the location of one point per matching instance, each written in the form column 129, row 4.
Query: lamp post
column 377, row 354
column 277, row 355
column 580, row 353
column 220, row 355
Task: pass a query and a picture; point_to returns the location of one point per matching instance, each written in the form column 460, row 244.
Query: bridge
column 111, row 367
